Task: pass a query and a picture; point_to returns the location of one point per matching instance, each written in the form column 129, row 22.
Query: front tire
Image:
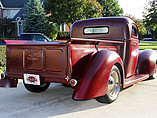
column 113, row 86
column 154, row 75
column 37, row 88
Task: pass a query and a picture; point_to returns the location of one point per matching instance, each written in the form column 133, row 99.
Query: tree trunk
column 3, row 32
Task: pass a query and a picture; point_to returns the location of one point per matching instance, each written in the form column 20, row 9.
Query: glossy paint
column 94, row 80
column 87, row 58
column 47, row 60
column 147, row 62
column 93, row 83
column 132, row 52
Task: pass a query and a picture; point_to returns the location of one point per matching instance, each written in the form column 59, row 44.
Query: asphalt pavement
column 137, row 101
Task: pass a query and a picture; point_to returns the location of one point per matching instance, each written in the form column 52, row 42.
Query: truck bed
column 46, row 59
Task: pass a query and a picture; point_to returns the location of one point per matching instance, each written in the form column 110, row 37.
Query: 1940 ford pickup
column 101, row 56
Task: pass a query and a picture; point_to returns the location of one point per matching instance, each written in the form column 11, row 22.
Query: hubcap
column 154, row 75
column 113, row 84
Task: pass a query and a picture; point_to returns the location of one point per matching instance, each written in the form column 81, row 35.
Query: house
column 14, row 9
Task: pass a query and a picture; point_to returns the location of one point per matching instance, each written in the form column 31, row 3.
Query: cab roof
column 119, row 27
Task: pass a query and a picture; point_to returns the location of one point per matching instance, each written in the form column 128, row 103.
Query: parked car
column 101, row 56
column 34, row 37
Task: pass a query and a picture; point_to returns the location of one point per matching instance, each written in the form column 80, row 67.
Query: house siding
column 67, row 28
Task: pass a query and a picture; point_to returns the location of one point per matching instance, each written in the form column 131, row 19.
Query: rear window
column 96, row 30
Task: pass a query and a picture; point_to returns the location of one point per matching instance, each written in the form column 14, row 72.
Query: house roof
column 16, row 4
column 22, row 11
column 19, row 14
column 13, row 3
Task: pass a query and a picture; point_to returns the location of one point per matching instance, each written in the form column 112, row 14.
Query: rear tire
column 37, row 88
column 113, row 87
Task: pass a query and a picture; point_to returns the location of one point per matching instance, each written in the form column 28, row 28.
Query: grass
column 147, row 44
column 143, row 46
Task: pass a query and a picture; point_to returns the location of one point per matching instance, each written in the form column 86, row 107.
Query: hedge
column 63, row 35
column 2, row 58
column 10, row 38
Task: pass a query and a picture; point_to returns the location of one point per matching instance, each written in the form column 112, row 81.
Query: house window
column 8, row 13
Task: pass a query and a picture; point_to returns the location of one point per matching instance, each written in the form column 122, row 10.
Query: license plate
column 32, row 79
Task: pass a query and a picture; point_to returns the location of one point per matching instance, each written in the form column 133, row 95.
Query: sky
column 133, row 7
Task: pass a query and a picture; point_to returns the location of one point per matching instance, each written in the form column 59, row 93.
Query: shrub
column 11, row 38
column 2, row 57
column 51, row 31
column 63, row 35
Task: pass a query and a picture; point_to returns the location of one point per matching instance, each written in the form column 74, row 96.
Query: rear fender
column 147, row 62
column 94, row 80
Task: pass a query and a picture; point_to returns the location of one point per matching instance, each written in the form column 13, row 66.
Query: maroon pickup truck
column 101, row 56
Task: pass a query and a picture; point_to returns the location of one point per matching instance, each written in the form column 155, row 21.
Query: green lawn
column 147, row 44
column 143, row 46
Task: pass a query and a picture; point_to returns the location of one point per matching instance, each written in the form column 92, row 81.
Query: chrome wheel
column 113, row 86
column 154, row 75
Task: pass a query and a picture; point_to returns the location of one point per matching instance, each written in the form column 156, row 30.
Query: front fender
column 94, row 80
column 147, row 62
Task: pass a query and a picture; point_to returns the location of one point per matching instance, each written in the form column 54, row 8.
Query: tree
column 35, row 18
column 52, row 31
column 151, row 17
column 5, row 24
column 69, row 11
column 141, row 28
column 110, row 8
column 91, row 9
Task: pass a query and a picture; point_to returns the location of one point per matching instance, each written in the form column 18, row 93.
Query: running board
column 134, row 79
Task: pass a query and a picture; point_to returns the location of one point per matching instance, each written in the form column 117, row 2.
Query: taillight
column 73, row 82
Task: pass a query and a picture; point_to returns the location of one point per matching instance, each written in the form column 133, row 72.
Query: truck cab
column 101, row 55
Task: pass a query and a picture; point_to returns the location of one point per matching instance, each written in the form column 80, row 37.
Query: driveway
column 137, row 101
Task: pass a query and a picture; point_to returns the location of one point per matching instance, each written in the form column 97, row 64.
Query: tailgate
column 48, row 61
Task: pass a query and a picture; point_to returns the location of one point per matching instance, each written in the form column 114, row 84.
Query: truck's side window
column 134, row 31
column 96, row 30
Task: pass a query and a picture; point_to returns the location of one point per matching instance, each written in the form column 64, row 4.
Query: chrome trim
column 67, row 78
